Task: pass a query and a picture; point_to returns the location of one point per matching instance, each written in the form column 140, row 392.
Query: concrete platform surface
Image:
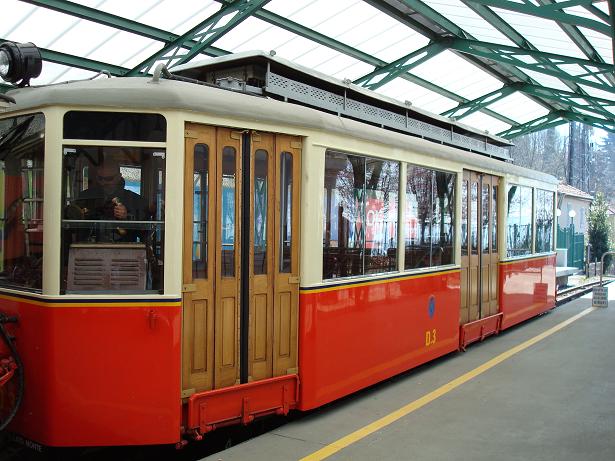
column 554, row 400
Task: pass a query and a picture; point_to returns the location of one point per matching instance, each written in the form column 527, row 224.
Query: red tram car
column 240, row 238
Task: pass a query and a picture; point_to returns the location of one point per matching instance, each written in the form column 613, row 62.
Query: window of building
column 519, row 221
column 360, row 215
column 544, row 221
column 22, row 147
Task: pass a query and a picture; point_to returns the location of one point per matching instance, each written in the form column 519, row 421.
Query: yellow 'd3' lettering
column 430, row 337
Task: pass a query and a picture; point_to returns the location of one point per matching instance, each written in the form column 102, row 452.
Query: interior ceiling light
column 19, row 62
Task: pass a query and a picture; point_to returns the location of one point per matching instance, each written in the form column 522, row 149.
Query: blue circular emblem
column 431, row 310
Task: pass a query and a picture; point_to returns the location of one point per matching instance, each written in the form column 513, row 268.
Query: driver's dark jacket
column 100, row 206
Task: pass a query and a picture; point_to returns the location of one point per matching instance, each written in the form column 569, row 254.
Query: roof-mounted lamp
column 19, row 62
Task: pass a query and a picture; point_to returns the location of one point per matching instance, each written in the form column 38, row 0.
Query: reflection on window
column 485, row 219
column 429, row 217
column 112, row 223
column 519, row 221
column 464, row 218
column 544, row 220
column 286, row 208
column 260, row 211
column 360, row 215
column 474, row 219
column 343, row 231
column 228, row 211
column 494, row 218
column 200, row 211
column 381, row 196
column 22, row 142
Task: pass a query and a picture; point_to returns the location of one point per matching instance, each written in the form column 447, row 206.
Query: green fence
column 575, row 243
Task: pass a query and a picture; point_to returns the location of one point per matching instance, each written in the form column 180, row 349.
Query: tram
column 244, row 237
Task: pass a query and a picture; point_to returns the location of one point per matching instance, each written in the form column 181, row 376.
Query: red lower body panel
column 98, row 373
column 527, row 288
column 355, row 335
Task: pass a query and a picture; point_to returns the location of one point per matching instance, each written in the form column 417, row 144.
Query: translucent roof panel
column 457, row 75
column 519, row 107
column 349, row 39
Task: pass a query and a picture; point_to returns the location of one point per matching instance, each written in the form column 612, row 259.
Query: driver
column 109, row 200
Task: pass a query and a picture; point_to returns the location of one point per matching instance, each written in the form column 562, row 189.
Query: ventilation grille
column 104, row 267
column 322, row 99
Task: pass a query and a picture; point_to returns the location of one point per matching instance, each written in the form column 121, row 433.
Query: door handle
column 293, row 280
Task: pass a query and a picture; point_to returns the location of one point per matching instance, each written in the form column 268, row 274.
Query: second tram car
column 245, row 237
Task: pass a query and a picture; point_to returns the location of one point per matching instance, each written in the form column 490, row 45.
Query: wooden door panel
column 262, row 206
column 286, row 290
column 228, row 244
column 198, row 261
column 485, row 285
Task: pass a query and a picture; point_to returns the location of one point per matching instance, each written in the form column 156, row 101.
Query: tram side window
column 360, row 215
column 22, row 141
column 113, row 219
column 544, row 221
column 519, row 221
column 429, row 217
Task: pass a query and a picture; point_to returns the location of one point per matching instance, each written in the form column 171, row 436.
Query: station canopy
column 508, row 67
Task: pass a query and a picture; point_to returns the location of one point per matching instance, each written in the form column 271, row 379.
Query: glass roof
column 504, row 66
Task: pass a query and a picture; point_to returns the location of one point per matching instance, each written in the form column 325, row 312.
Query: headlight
column 19, row 62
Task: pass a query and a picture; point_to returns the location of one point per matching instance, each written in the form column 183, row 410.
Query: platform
column 542, row 390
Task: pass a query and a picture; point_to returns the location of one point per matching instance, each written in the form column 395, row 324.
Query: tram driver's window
column 112, row 219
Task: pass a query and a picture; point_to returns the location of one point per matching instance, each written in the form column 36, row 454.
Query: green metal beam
column 440, row 28
column 80, row 63
column 598, row 106
column 607, row 125
column 577, row 37
column 383, row 75
column 448, row 27
column 553, row 12
column 469, row 107
column 519, row 58
column 340, row 47
column 205, row 33
column 117, row 22
column 509, row 32
column 541, row 123
column 612, row 14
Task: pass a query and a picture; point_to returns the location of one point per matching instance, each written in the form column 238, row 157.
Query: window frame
column 71, row 142
column 401, row 228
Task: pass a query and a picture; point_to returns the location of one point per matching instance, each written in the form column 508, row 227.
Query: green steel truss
column 509, row 64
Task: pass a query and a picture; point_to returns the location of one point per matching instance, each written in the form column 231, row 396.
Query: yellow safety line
column 359, row 434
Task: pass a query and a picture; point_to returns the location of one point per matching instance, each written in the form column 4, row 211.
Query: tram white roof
column 137, row 93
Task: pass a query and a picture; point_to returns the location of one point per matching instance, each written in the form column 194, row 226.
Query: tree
column 598, row 228
column 542, row 150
